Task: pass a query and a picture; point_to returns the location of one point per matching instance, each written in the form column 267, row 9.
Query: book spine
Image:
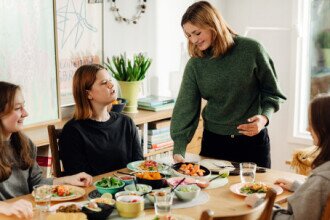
column 155, row 104
column 163, row 144
column 158, row 131
column 154, row 139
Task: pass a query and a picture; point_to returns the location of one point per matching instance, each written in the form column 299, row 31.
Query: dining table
column 221, row 200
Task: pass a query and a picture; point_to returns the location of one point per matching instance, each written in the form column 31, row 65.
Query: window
column 313, row 60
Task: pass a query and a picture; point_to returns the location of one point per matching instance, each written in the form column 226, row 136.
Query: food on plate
column 61, row 191
column 149, row 165
column 187, row 188
column 92, row 206
column 149, row 175
column 109, row 182
column 108, row 201
column 191, row 169
column 175, row 181
column 250, row 188
column 69, row 208
column 107, row 195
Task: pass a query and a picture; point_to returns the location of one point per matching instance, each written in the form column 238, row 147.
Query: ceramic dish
column 236, row 188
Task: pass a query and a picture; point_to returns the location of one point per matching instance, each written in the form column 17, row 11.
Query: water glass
column 247, row 171
column 42, row 196
column 163, row 203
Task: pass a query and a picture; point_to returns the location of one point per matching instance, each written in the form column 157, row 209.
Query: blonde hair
column 203, row 15
column 83, row 80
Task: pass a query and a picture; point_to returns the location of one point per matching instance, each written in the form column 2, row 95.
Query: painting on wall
column 80, row 36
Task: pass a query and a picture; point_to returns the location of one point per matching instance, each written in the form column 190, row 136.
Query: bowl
column 127, row 179
column 151, row 195
column 147, row 179
column 102, row 211
column 130, row 206
column 143, row 188
column 187, row 192
column 173, row 181
column 176, row 168
column 120, row 106
column 127, row 193
column 111, row 190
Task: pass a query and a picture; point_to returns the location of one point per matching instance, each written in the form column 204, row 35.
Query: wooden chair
column 262, row 212
column 326, row 210
column 54, row 135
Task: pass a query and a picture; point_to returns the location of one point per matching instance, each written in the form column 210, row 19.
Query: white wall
column 159, row 34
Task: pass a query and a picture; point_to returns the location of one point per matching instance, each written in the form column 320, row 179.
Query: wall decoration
column 80, row 40
column 141, row 8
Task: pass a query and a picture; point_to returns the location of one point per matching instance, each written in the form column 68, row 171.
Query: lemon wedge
column 107, row 195
column 224, row 173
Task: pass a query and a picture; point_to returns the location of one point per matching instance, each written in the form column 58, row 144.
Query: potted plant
column 323, row 40
column 129, row 74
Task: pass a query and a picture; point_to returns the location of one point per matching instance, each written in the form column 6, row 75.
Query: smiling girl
column 19, row 171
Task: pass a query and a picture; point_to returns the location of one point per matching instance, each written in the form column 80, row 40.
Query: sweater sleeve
column 35, row 172
column 271, row 96
column 72, row 153
column 186, row 112
column 306, row 202
column 137, row 152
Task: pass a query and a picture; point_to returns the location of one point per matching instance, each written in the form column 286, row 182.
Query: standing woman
column 96, row 141
column 237, row 78
column 19, row 171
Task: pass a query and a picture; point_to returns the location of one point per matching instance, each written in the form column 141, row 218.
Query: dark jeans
column 239, row 148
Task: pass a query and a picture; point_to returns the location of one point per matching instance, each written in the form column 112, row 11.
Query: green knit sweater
column 238, row 85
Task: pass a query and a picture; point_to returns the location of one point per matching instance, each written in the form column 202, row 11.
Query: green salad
column 109, row 182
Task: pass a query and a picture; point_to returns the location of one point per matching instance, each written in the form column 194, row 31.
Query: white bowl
column 143, row 188
column 187, row 192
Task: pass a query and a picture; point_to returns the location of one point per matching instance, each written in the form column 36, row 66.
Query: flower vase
column 130, row 92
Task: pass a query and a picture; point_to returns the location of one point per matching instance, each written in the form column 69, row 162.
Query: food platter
column 137, row 166
column 75, row 192
column 236, row 188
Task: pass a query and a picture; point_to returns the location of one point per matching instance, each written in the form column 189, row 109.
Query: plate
column 217, row 165
column 76, row 192
column 134, row 166
column 174, row 216
column 53, row 208
column 236, row 188
column 176, row 167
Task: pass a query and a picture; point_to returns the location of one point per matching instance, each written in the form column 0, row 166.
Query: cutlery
column 181, row 181
column 224, row 166
column 130, row 174
column 134, row 181
column 214, row 178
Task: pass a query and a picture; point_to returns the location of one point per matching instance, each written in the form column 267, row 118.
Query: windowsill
column 302, row 139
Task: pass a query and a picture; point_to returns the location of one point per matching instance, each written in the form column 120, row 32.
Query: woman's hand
column 80, row 179
column 255, row 125
column 285, row 183
column 178, row 158
column 254, row 199
column 20, row 208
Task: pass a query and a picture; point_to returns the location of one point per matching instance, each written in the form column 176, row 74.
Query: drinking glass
column 42, row 196
column 163, row 203
column 247, row 171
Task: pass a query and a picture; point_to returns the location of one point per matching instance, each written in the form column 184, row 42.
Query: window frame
column 301, row 79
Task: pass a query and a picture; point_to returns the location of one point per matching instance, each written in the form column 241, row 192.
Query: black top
column 99, row 147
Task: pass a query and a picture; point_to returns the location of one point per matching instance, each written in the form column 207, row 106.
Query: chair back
column 262, row 212
column 54, row 135
column 326, row 210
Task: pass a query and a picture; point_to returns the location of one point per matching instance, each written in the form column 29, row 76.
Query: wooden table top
column 221, row 200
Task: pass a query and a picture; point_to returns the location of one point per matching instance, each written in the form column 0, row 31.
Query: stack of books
column 159, row 135
column 156, row 103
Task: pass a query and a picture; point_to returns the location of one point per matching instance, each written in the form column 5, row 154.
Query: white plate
column 236, row 188
column 53, row 208
column 215, row 165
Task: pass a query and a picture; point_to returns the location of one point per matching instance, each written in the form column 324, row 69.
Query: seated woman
column 309, row 198
column 96, row 141
column 19, row 171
